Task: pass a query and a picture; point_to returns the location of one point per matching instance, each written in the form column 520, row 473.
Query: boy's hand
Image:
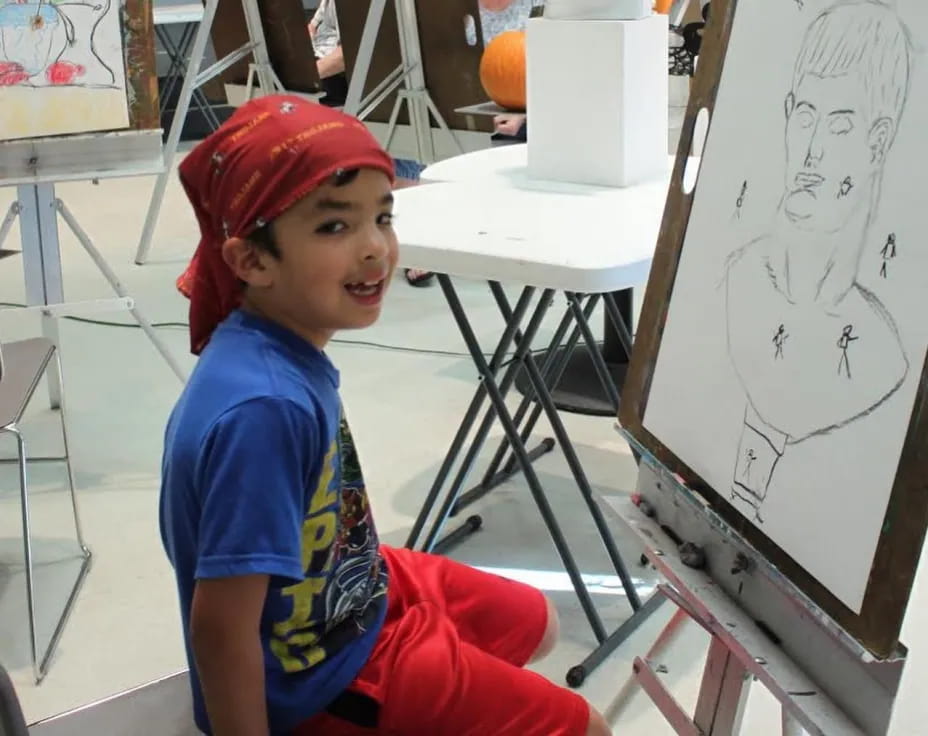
column 225, row 636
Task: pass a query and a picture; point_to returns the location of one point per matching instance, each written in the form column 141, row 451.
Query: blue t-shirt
column 260, row 477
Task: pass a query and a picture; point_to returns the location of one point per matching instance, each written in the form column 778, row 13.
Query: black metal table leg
column 470, row 417
column 562, row 358
column 179, row 54
column 579, row 390
column 518, row 448
column 599, row 363
column 524, row 345
column 576, row 469
column 554, row 364
column 577, row 674
column 539, row 396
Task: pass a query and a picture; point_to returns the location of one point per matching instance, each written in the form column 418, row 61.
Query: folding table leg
column 576, row 468
column 618, row 322
column 171, row 77
column 553, row 367
column 577, row 674
column 512, row 432
column 509, row 377
column 178, row 53
column 563, row 361
column 599, row 364
column 625, row 338
column 470, row 416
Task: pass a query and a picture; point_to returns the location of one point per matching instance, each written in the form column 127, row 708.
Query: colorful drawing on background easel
column 62, row 68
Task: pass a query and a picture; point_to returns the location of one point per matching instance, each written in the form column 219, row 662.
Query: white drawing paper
column 796, row 331
column 62, row 68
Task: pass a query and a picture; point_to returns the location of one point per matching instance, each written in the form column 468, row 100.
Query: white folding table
column 578, row 388
column 187, row 17
column 582, row 242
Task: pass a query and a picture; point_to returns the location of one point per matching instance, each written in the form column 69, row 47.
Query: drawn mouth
column 808, row 181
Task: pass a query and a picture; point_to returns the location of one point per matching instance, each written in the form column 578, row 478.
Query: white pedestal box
column 597, row 98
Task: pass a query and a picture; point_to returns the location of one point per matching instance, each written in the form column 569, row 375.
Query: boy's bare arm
column 225, row 636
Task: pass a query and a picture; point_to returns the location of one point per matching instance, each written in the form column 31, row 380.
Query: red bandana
column 271, row 153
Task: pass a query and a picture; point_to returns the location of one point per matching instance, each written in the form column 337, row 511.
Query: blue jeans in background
column 408, row 169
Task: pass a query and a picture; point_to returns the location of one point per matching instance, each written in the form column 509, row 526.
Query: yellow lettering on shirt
column 295, row 649
column 293, row 642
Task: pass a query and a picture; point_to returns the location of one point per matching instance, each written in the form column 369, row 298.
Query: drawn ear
column 880, row 135
column 789, row 104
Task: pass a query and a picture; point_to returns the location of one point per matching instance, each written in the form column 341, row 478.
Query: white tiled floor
column 404, row 408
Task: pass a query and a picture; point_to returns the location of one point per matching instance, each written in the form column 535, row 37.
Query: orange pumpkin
column 495, row 6
column 502, row 70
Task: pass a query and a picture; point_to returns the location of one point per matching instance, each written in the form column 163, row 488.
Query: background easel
column 409, row 75
column 260, row 70
column 34, row 167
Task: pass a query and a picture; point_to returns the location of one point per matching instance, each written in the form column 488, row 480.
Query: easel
column 409, row 73
column 760, row 626
column 260, row 69
column 34, row 167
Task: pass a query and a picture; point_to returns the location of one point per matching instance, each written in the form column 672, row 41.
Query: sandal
column 416, row 277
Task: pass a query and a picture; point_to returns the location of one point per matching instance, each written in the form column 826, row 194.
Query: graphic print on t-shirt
column 345, row 579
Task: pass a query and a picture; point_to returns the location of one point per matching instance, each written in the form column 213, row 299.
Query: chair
column 12, row 720
column 22, row 365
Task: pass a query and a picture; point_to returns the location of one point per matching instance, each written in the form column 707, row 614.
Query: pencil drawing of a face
column 847, row 95
column 828, row 145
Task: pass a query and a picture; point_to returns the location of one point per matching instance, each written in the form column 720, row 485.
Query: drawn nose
column 816, row 149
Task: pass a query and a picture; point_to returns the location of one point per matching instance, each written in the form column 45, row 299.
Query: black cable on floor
column 336, row 341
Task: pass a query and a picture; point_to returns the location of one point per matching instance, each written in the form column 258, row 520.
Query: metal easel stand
column 409, row 74
column 760, row 626
column 38, row 208
column 517, row 435
column 261, row 68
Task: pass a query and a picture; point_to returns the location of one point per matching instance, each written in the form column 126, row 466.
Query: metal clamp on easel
column 761, row 627
column 409, row 73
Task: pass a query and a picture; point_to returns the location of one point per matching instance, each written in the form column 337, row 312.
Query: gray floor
column 404, row 408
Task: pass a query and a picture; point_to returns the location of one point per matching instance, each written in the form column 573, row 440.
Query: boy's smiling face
column 337, row 252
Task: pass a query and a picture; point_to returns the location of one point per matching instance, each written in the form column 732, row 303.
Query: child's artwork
column 62, row 68
column 793, row 327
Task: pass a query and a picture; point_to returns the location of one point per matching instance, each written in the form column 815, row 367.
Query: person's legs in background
column 407, row 175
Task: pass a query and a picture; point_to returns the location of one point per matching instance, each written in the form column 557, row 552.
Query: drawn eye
column 840, row 125
column 805, row 119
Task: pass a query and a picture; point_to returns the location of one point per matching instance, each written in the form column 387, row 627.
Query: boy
column 296, row 620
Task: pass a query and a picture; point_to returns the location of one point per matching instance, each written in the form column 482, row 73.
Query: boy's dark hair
column 263, row 237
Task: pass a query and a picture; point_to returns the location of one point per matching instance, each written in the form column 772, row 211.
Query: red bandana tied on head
column 271, row 153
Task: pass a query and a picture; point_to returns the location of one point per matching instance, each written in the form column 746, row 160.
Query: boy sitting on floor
column 296, row 620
